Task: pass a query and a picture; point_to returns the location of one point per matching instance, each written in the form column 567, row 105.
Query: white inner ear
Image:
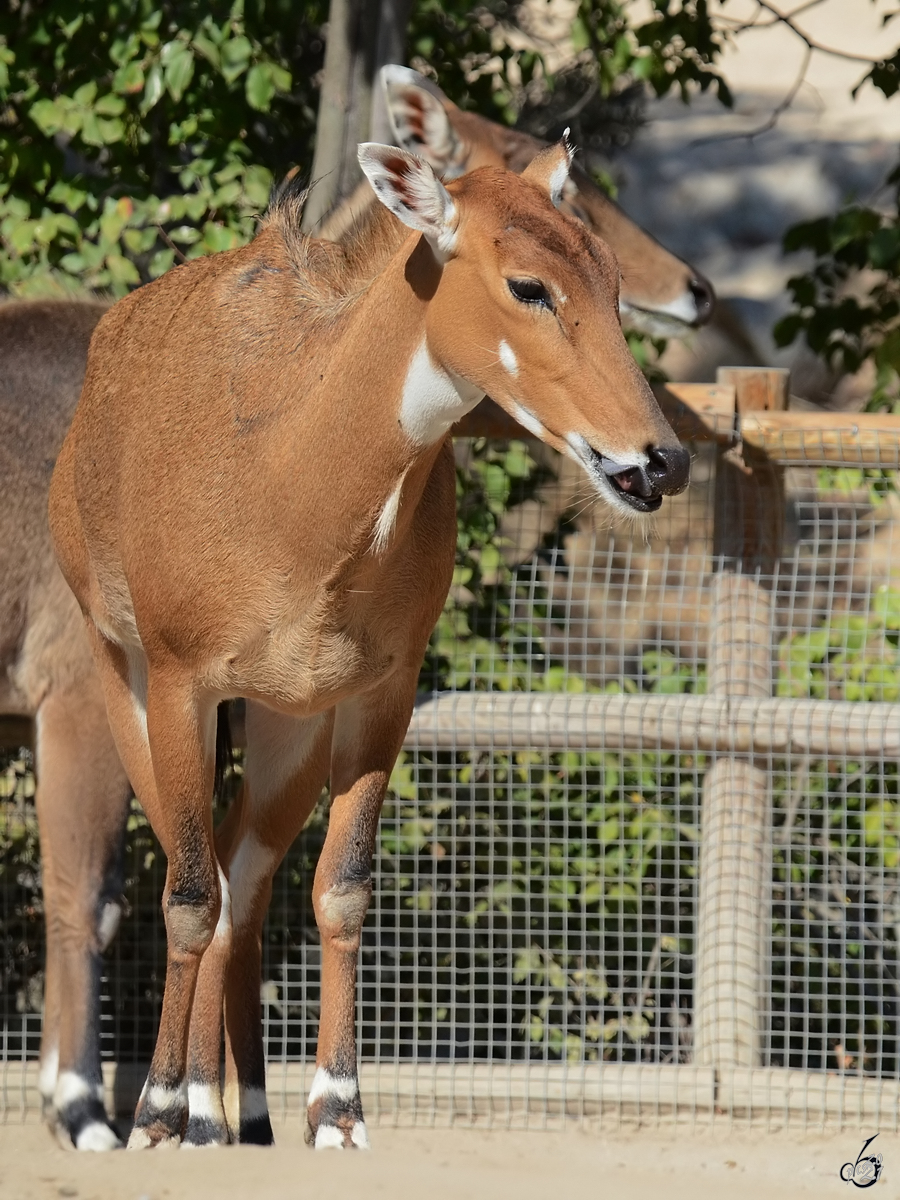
column 560, row 175
column 413, row 193
column 420, row 122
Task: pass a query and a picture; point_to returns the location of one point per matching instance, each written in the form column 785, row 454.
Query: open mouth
column 634, row 487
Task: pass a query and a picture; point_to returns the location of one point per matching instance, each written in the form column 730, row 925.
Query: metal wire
column 531, row 949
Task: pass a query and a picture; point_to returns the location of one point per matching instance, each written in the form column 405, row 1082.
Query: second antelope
column 256, row 499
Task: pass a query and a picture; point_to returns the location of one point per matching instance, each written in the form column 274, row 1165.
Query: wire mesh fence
column 641, row 854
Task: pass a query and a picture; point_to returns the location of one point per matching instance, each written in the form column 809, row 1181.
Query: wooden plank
column 463, row 1089
column 687, row 724
column 806, row 438
column 811, row 1095
column 698, row 412
column 731, row 939
column 472, row 1089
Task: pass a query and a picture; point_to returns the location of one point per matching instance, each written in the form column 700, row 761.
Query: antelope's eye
column 530, row 291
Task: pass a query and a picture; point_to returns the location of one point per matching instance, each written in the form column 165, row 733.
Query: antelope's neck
column 418, row 398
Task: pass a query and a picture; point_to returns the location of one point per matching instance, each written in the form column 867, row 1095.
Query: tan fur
column 213, row 508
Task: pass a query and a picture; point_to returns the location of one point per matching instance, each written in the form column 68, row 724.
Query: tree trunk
column 363, row 35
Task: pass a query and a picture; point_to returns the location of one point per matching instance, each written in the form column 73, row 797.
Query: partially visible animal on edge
column 289, row 432
column 82, row 794
column 660, row 294
column 47, row 673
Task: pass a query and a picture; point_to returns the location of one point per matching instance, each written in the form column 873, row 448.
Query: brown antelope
column 659, row 294
column 47, row 673
column 81, row 793
column 256, row 498
column 81, row 787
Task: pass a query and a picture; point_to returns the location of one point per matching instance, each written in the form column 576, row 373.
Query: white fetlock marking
column 326, row 1084
column 49, row 1073
column 329, row 1137
column 72, row 1087
column 97, row 1136
column 160, row 1099
column 139, row 1139
column 359, row 1136
column 205, row 1102
column 169, row 1143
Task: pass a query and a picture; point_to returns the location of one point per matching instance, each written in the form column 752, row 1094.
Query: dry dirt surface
column 417, row 1164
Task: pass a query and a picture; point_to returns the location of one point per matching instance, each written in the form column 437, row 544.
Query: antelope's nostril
column 669, row 467
column 704, row 299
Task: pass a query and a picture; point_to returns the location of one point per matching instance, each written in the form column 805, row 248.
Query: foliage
column 676, row 48
column 135, row 134
column 837, row 862
column 852, row 656
column 846, row 306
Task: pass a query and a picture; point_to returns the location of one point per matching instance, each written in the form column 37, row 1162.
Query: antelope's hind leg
column 82, row 804
column 368, row 734
column 285, row 769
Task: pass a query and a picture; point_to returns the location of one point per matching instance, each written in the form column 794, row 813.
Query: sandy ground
column 435, row 1164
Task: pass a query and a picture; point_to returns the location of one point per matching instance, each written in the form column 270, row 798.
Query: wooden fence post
column 733, row 918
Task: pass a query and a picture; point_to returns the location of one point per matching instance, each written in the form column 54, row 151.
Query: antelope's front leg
column 368, row 734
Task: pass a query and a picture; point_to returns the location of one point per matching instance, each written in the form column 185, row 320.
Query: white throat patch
column 433, row 399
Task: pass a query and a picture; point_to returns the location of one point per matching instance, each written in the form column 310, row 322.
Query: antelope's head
column 660, row 294
column 523, row 305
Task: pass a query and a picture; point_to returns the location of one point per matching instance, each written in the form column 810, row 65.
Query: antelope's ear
column 420, row 121
column 411, row 190
column 550, row 169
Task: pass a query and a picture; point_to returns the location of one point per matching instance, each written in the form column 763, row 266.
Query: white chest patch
column 433, row 399
column 508, row 358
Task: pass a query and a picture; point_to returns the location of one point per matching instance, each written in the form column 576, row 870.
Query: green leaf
column 91, row 132
column 208, row 48
column 109, row 106
column 111, row 130
column 218, row 237
column 179, row 70
column 85, row 94
column 153, row 88
column 129, row 78
column 47, row 115
column 260, row 87
column 122, row 269
column 161, row 262
column 235, row 57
